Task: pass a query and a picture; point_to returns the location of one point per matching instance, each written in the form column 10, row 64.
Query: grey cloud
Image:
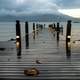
column 68, row 4
column 13, row 7
column 29, row 6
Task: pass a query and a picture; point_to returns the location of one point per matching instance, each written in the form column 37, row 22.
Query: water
column 8, row 30
column 75, row 31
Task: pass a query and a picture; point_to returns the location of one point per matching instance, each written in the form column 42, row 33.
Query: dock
column 54, row 64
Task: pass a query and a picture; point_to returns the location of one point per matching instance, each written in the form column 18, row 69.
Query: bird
column 38, row 62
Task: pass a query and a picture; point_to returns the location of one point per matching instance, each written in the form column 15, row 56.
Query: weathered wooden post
column 44, row 26
column 33, row 30
column 41, row 27
column 68, row 34
column 18, row 38
column 26, row 35
column 37, row 29
column 61, row 29
column 54, row 26
column 68, row 38
column 58, row 30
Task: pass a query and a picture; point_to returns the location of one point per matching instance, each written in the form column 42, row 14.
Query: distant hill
column 37, row 17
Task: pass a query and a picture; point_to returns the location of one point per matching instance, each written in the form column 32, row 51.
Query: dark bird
column 38, row 62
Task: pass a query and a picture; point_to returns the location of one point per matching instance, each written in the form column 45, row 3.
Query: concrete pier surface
column 54, row 64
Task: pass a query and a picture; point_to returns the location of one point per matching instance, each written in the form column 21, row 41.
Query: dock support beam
column 18, row 38
column 58, row 29
column 26, row 35
column 33, row 30
column 54, row 26
column 37, row 29
column 68, row 38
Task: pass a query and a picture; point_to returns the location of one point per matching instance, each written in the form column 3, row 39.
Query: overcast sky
column 24, row 7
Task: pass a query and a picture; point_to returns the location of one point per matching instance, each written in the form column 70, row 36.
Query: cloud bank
column 26, row 7
column 21, row 7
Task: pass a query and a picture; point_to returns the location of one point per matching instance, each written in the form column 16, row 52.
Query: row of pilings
column 39, row 26
column 59, row 29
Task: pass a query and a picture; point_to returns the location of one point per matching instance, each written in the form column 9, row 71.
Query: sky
column 27, row 7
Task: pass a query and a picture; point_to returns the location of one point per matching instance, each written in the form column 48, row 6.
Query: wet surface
column 44, row 49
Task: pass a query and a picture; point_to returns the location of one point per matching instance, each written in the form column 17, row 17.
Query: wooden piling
column 37, row 29
column 68, row 38
column 26, row 35
column 68, row 32
column 18, row 38
column 33, row 30
column 54, row 26
column 61, row 29
column 58, row 29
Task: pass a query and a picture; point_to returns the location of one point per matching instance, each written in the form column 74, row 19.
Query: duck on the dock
column 38, row 62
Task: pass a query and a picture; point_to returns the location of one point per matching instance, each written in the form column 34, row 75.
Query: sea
column 8, row 30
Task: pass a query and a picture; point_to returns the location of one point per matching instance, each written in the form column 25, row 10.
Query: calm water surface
column 8, row 30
